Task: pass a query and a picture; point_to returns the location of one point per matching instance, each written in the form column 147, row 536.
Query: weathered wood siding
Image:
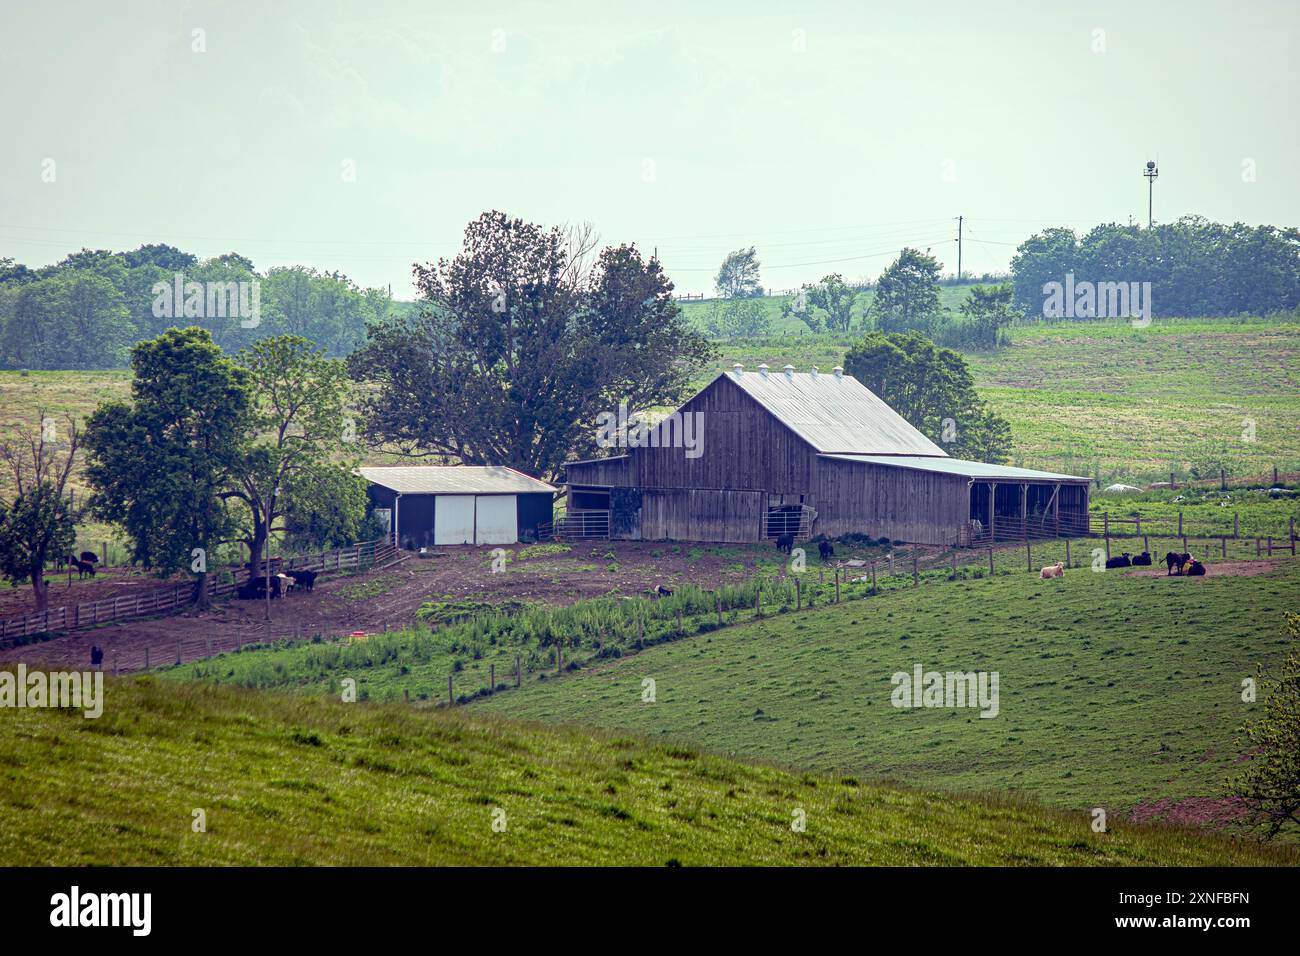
column 603, row 471
column 701, row 515
column 886, row 501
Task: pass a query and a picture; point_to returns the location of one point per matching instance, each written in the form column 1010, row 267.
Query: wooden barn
column 428, row 505
column 759, row 454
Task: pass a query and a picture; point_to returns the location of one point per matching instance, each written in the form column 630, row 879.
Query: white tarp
column 497, row 519
column 453, row 519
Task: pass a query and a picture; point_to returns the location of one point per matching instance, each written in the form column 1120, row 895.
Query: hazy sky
column 362, row 136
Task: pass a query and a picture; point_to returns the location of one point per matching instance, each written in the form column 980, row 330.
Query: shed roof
column 834, row 415
column 957, row 466
column 453, row 480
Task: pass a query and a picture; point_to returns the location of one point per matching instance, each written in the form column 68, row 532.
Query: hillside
column 287, row 781
column 1117, row 690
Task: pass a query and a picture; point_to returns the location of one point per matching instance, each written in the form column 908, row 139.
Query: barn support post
column 1024, row 510
column 993, row 511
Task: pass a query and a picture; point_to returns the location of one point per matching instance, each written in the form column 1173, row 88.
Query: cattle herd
column 281, row 583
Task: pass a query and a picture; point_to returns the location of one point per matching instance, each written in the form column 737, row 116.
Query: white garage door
column 498, row 519
column 453, row 519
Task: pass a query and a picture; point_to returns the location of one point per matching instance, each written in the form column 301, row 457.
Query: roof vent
column 738, row 368
column 762, row 370
column 813, row 371
column 789, row 372
column 839, row 371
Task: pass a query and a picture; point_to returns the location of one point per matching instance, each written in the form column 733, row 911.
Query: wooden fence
column 175, row 598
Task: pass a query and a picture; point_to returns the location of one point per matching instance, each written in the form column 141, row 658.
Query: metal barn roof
column 454, row 480
column 957, row 466
column 834, row 414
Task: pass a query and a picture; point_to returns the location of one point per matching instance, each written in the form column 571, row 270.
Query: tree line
column 86, row 311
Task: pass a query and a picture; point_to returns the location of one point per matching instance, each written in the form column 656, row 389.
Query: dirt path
column 1218, row 569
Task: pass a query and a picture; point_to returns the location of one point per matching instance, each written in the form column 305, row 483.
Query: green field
column 283, row 780
column 1115, row 690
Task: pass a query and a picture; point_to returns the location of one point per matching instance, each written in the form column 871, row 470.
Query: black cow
column 1174, row 562
column 256, row 588
column 1143, row 559
column 1121, row 562
column 1195, row 568
column 90, row 556
column 826, row 550
column 663, row 591
column 785, row 543
column 83, row 567
column 303, row 579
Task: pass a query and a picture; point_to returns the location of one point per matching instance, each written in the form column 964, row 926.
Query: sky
column 362, row 136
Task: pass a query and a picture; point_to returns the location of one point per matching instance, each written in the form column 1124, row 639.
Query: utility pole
column 1151, row 174
column 959, row 219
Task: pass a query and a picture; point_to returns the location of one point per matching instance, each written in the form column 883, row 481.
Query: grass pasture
column 283, row 780
column 1117, row 690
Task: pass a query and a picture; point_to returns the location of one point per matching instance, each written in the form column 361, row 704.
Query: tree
column 827, row 305
column 161, row 255
column 738, row 276
column 298, row 412
column 737, row 318
column 159, row 465
column 907, row 295
column 986, row 311
column 514, row 354
column 1270, row 782
column 933, row 389
column 37, row 524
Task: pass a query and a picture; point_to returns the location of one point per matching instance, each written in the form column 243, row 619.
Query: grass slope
column 1115, row 689
column 285, row 780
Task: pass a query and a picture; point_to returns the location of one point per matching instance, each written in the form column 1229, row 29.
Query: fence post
column 1270, row 546
column 1146, row 547
column 798, row 595
column 406, row 694
column 1275, row 476
column 559, row 657
column 451, row 701
column 1107, row 547
column 1180, row 524
column 873, row 577
column 519, row 670
column 1257, row 547
column 1236, row 524
column 492, row 671
column 718, row 600
column 1068, row 563
column 954, row 562
column 758, row 601
column 990, row 561
column 1173, row 484
column 680, row 628
column 837, row 584
column 1137, row 524
column 178, row 652
column 1223, row 480
column 1184, row 544
column 1223, row 542
column 1029, row 556
column 916, row 574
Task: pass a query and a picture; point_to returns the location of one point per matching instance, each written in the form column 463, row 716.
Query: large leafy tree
column 907, row 294
column 514, row 352
column 825, row 306
column 930, row 387
column 737, row 278
column 303, row 441
column 37, row 523
column 986, row 311
column 160, row 464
